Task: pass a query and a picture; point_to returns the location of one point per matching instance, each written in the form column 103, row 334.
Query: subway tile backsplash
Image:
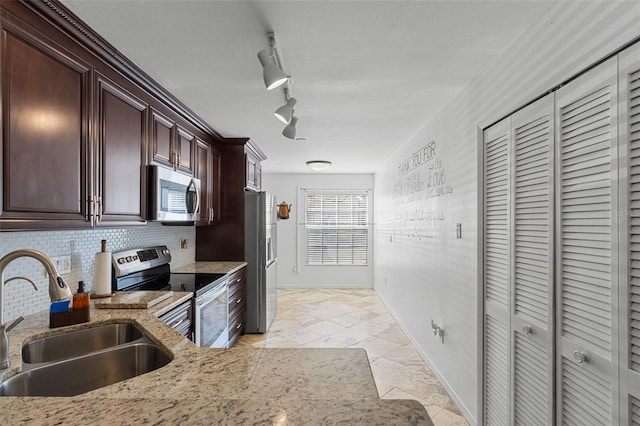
column 20, row 298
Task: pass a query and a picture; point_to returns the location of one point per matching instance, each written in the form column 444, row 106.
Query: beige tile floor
column 328, row 318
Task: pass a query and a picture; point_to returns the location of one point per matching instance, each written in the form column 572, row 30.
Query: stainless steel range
column 148, row 269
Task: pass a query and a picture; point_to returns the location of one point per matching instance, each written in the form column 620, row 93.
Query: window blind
column 337, row 228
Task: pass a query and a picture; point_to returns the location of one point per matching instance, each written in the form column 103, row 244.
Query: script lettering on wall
column 421, row 181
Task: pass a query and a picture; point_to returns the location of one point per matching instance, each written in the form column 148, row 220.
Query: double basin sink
column 79, row 361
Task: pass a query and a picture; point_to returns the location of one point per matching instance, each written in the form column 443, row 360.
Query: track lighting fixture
column 273, row 76
column 318, row 165
column 290, row 130
column 285, row 112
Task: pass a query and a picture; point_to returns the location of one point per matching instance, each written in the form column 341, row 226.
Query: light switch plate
column 62, row 263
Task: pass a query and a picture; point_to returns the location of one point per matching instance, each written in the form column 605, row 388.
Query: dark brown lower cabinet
column 237, row 305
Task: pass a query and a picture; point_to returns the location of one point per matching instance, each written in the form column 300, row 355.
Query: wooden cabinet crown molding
column 61, row 17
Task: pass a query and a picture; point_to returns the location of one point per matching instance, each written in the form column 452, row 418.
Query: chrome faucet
column 58, row 290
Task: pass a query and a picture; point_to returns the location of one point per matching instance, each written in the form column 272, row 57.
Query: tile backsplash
column 20, row 298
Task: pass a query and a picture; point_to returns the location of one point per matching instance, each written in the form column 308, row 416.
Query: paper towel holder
column 103, row 266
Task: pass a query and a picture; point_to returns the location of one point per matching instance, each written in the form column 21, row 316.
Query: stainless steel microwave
column 173, row 196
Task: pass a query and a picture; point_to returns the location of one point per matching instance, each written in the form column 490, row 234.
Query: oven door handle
column 211, row 295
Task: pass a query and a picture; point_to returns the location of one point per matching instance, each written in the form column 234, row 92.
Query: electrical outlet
column 62, row 263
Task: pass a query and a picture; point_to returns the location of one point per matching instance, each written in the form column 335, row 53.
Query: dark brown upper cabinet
column 120, row 182
column 208, row 171
column 80, row 123
column 253, row 166
column 161, row 143
column 185, row 149
column 171, row 145
column 203, row 172
column 45, row 99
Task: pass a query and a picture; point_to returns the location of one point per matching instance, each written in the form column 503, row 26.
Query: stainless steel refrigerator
column 261, row 255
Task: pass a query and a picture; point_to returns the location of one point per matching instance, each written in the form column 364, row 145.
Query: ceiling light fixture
column 285, row 112
column 318, row 165
column 273, row 76
column 290, row 130
column 272, row 68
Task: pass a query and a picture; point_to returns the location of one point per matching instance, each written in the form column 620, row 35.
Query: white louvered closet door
column 629, row 94
column 586, row 252
column 497, row 399
column 531, row 298
column 518, row 272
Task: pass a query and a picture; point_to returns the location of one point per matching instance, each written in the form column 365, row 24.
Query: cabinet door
column 629, row 94
column 216, row 185
column 204, row 173
column 251, row 164
column 45, row 138
column 587, row 238
column 185, row 150
column 161, row 143
column 120, row 155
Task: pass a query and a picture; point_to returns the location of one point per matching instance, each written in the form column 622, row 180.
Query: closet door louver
column 586, row 235
column 532, row 263
column 629, row 78
column 496, row 274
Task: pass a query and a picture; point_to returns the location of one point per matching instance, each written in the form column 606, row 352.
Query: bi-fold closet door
column 518, row 267
column 556, row 181
column 629, row 135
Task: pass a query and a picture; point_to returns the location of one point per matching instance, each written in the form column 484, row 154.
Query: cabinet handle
column 239, row 325
column 579, row 357
column 99, row 212
column 238, row 280
column 526, row 329
column 238, row 301
column 90, row 210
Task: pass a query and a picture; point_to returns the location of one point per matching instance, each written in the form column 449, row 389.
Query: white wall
column 292, row 272
column 422, row 271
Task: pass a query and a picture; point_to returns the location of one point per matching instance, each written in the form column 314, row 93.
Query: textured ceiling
column 367, row 74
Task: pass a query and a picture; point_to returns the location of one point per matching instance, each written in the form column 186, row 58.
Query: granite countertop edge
column 243, row 383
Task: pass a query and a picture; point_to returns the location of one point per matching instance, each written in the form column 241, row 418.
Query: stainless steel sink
column 91, row 371
column 80, row 342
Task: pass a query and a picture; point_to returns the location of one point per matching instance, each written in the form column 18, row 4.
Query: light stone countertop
column 241, row 385
column 211, row 267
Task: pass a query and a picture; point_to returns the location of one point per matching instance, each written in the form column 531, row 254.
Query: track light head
column 285, row 112
column 290, row 130
column 273, row 76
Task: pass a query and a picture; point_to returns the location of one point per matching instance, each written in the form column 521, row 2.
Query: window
column 337, row 227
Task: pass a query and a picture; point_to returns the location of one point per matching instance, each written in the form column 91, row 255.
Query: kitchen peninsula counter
column 240, row 385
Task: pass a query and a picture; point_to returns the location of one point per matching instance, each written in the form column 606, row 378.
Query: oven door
column 211, row 318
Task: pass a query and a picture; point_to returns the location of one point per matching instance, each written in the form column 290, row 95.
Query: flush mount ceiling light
column 318, row 165
column 272, row 65
column 290, row 130
column 285, row 112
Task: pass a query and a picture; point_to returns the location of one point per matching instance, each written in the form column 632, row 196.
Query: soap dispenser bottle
column 81, row 298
